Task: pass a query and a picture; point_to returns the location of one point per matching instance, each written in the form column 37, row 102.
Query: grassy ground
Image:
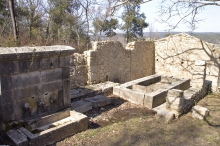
column 146, row 130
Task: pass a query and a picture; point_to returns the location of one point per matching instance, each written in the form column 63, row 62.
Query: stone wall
column 78, row 70
column 35, row 81
column 175, row 55
column 110, row 61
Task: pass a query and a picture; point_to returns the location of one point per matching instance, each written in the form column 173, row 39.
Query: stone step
column 81, row 93
column 81, row 106
column 99, row 101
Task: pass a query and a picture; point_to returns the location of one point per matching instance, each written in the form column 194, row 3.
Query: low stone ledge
column 200, row 112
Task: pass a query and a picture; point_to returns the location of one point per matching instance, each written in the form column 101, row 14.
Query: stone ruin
column 35, row 95
column 45, row 90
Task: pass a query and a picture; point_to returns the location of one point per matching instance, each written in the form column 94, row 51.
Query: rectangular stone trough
column 50, row 129
column 150, row 91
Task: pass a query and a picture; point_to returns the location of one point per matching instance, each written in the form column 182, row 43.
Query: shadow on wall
column 110, row 61
column 176, row 55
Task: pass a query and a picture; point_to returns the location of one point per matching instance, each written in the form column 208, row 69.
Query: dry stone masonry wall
column 175, row 55
column 110, row 61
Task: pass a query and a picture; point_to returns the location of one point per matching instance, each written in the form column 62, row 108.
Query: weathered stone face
column 35, row 81
column 175, row 55
column 110, row 61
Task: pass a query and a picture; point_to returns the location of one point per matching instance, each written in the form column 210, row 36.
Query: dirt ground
column 128, row 124
column 123, row 124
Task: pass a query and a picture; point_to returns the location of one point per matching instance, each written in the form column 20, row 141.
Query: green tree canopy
column 134, row 21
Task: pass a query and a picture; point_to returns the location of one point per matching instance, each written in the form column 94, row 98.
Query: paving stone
column 99, row 101
column 81, row 106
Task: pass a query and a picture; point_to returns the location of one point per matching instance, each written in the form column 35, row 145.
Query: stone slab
column 17, row 138
column 81, row 93
column 106, row 88
column 99, row 101
column 81, row 106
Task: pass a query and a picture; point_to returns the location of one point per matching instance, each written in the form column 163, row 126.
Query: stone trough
column 150, row 91
column 49, row 129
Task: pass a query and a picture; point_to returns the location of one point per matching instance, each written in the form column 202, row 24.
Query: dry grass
column 145, row 130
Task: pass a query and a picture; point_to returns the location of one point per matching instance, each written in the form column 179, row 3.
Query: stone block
column 28, row 65
column 175, row 101
column 81, row 106
column 99, row 101
column 66, row 98
column 154, row 99
column 66, row 72
column 132, row 96
column 8, row 68
column 46, row 64
column 49, row 87
column 175, row 93
column 17, row 138
column 51, row 75
column 199, row 69
column 116, row 90
column 81, row 93
column 6, row 83
column 66, row 84
column 8, row 111
column 182, row 85
column 7, row 97
column 28, row 92
column 24, row 80
column 199, row 112
column 165, row 116
column 200, row 63
column 64, row 61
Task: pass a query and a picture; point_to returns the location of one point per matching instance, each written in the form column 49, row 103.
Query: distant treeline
column 211, row 37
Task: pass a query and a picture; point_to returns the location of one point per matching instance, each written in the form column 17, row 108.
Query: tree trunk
column 14, row 24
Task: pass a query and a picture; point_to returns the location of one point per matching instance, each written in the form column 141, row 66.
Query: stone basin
column 49, row 129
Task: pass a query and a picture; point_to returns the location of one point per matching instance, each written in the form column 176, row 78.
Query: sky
column 210, row 16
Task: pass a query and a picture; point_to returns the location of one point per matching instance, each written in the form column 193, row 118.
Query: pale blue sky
column 210, row 15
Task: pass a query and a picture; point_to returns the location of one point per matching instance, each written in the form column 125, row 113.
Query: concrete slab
column 99, row 101
column 81, row 106
column 17, row 138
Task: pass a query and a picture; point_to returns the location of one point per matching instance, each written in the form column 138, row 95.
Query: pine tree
column 134, row 22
